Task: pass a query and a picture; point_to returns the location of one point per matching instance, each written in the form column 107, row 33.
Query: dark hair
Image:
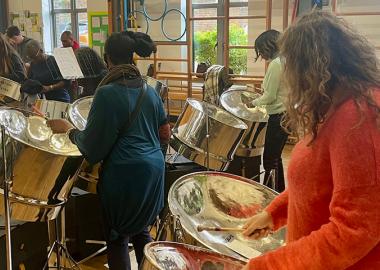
column 13, row 31
column 266, row 44
column 67, row 33
column 90, row 62
column 120, row 47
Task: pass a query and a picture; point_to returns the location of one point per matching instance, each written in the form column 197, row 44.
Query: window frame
column 219, row 6
column 74, row 13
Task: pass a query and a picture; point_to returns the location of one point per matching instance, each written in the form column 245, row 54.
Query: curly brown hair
column 326, row 62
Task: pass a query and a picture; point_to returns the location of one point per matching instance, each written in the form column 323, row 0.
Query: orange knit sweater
column 332, row 203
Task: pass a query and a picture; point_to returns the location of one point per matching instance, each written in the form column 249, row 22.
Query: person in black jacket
column 19, row 42
column 11, row 65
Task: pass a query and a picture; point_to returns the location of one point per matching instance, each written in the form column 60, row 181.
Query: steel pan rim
column 50, row 151
column 225, row 106
column 186, row 246
column 240, row 124
column 71, row 110
column 16, row 198
column 175, row 205
column 201, row 151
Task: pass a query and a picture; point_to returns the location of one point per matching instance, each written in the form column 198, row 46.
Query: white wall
column 34, row 6
column 97, row 5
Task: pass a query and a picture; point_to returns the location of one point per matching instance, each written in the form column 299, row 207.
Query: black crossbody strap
column 133, row 116
column 131, row 119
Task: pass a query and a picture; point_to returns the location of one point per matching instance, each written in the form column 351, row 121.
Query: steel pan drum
column 256, row 118
column 43, row 164
column 79, row 110
column 224, row 200
column 176, row 256
column 52, row 109
column 9, row 89
column 190, row 136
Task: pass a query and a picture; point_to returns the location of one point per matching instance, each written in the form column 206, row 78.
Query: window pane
column 62, row 23
column 83, row 29
column 62, row 4
column 239, row 60
column 205, row 37
column 81, row 3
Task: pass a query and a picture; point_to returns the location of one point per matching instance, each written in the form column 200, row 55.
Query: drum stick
column 223, row 229
column 37, row 111
column 218, row 229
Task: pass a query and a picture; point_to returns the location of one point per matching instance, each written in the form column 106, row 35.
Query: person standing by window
column 68, row 41
column 273, row 100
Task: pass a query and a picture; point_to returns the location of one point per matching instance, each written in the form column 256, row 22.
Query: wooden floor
column 98, row 262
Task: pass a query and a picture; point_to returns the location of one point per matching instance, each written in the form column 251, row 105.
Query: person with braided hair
column 125, row 126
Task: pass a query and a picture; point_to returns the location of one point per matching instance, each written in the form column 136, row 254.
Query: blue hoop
column 162, row 24
column 159, row 18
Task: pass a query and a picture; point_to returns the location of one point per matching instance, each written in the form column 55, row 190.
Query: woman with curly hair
column 331, row 205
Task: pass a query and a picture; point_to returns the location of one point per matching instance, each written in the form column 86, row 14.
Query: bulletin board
column 29, row 24
column 98, row 31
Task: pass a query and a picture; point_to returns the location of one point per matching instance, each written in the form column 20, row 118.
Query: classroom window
column 70, row 15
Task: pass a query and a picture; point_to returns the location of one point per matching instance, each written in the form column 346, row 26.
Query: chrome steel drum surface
column 79, row 110
column 190, row 136
column 234, row 101
column 160, row 87
column 224, row 200
column 10, row 89
column 52, row 109
column 177, row 256
column 38, row 162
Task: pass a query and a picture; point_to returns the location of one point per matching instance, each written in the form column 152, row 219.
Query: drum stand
column 7, row 206
column 59, row 246
column 207, row 140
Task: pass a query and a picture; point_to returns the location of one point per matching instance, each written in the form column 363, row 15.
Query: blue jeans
column 118, row 254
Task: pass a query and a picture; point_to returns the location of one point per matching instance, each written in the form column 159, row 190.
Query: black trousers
column 118, row 253
column 275, row 139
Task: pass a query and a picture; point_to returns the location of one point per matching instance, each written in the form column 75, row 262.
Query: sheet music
column 67, row 63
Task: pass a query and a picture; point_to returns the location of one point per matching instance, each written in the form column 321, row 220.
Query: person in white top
column 273, row 100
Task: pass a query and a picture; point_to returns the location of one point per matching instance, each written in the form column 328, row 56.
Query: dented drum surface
column 219, row 199
column 40, row 163
column 177, row 256
column 234, row 101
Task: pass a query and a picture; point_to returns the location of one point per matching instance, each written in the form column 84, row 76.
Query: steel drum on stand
column 40, row 164
column 234, row 101
column 191, row 140
column 219, row 199
column 176, row 256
